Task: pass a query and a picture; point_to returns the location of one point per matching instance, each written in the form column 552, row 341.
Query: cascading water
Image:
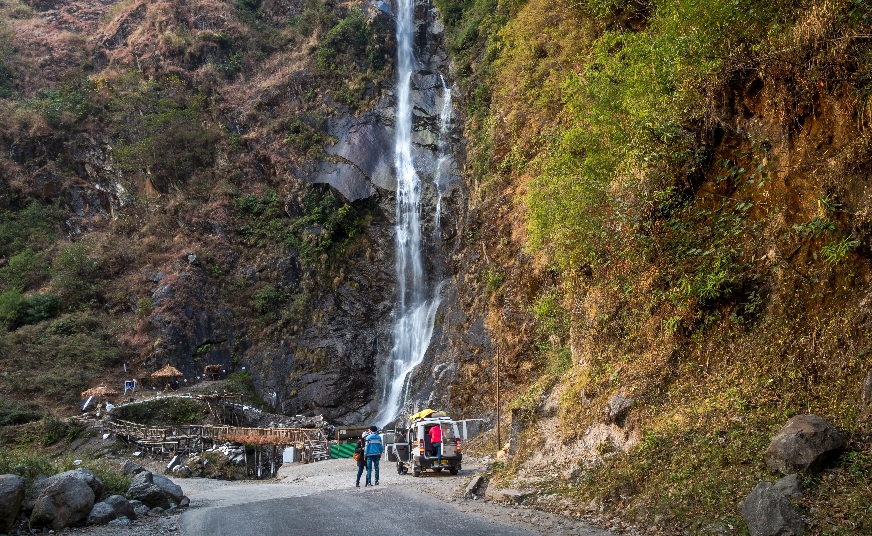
column 417, row 301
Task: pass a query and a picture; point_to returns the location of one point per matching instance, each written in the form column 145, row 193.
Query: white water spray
column 416, row 302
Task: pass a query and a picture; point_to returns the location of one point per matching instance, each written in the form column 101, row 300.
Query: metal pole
column 498, row 399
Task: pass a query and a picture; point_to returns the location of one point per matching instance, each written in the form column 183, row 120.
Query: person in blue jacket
column 373, row 451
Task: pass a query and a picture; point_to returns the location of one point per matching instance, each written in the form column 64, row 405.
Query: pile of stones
column 73, row 497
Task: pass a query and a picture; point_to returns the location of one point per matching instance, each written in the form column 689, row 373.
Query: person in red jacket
column 436, row 440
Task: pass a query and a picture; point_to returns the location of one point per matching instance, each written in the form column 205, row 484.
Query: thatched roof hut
column 100, row 392
column 167, row 373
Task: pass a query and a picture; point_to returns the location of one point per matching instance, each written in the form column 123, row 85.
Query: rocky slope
column 221, row 178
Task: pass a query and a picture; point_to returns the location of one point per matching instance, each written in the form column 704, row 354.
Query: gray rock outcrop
column 806, row 443
column 64, row 502
column 617, row 408
column 11, row 497
column 768, row 513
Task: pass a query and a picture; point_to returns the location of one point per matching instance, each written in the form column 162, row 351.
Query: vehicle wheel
column 416, row 471
column 437, row 469
column 452, row 470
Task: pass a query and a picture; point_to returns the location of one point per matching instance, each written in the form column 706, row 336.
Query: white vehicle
column 412, row 446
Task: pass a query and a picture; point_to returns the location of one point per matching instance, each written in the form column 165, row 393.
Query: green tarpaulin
column 342, row 451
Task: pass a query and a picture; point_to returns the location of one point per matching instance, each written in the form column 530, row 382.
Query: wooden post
column 499, row 444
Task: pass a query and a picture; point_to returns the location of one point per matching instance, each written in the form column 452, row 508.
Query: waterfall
column 417, row 301
column 443, row 161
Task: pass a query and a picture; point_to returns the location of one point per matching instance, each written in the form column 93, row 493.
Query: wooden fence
column 194, row 438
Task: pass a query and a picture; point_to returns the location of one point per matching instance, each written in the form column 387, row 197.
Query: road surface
column 320, row 498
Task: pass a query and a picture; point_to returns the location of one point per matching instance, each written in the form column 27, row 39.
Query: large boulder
column 172, row 490
column 64, row 502
column 11, row 497
column 112, row 508
column 143, row 488
column 131, row 468
column 806, row 443
column 790, row 486
column 101, row 514
column 768, row 513
column 84, row 475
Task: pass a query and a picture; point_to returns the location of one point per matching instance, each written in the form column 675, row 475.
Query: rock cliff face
column 353, row 338
column 159, row 144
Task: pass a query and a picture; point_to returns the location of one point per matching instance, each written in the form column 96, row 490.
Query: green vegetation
column 165, row 411
column 58, row 359
column 7, row 75
column 242, row 382
column 167, row 134
column 322, row 233
column 682, row 262
column 11, row 413
column 352, row 54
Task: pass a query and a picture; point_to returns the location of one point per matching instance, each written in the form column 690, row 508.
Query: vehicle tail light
column 421, row 446
column 457, row 444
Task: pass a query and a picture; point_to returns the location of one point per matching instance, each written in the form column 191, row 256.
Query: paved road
column 383, row 511
column 320, row 498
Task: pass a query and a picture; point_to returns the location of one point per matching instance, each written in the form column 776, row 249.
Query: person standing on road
column 361, row 457
column 436, row 441
column 373, row 450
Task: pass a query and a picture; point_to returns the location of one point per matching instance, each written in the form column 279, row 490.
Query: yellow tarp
column 423, row 414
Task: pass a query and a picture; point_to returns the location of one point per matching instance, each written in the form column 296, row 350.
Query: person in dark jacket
column 361, row 458
column 373, row 451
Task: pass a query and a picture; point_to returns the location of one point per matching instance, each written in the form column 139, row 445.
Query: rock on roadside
column 11, row 497
column 768, row 513
column 155, row 490
column 84, row 475
column 63, row 503
column 806, row 443
column 112, row 508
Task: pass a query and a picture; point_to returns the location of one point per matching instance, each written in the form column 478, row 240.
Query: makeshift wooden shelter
column 212, row 371
column 100, row 392
column 167, row 374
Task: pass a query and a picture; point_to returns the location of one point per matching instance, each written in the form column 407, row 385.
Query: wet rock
column 768, row 513
column 11, row 497
column 806, row 443
column 64, row 502
column 790, row 486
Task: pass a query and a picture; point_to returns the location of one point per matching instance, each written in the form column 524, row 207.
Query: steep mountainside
column 670, row 213
column 206, row 183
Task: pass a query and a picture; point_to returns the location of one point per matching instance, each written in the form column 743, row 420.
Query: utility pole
column 498, row 399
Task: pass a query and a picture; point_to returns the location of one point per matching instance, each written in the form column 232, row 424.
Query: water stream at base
column 417, row 302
